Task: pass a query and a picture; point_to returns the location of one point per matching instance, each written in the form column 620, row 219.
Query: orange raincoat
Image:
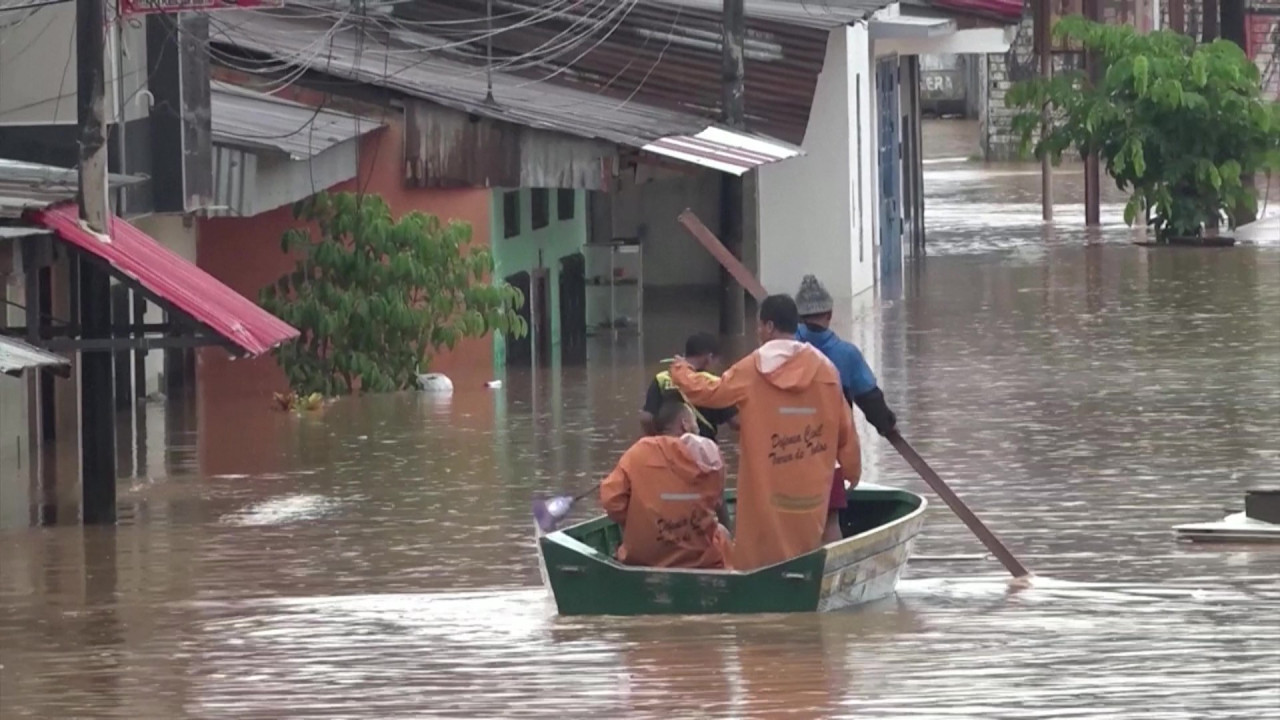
column 664, row 493
column 795, row 427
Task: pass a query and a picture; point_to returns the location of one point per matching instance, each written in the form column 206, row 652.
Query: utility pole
column 97, row 414
column 733, row 309
column 1041, row 21
column 1092, row 174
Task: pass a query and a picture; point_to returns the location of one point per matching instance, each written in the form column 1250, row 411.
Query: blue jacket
column 856, row 377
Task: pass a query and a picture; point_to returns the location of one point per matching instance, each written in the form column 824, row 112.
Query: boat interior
column 868, row 509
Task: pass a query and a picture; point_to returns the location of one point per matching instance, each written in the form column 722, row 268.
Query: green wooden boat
column 879, row 526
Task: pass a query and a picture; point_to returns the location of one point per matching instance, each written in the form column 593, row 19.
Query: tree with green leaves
column 1180, row 126
column 376, row 298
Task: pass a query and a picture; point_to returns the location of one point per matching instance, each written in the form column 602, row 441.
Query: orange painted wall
column 245, row 254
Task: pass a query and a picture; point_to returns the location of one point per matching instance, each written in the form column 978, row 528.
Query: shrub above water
column 376, row 298
column 1179, row 125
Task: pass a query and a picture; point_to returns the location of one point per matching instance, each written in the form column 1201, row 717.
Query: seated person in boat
column 795, row 428
column 665, row 492
column 702, row 352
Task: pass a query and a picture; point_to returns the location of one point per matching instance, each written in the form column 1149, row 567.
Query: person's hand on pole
column 873, row 406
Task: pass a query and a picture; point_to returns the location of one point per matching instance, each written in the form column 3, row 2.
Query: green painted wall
column 520, row 252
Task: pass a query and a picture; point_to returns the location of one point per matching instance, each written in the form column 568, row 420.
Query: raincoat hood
column 789, row 364
column 703, row 451
column 690, row 456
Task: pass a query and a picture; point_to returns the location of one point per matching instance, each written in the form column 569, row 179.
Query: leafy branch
column 376, row 298
column 1180, row 126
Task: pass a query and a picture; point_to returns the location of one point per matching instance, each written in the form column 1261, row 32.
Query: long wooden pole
column 703, row 235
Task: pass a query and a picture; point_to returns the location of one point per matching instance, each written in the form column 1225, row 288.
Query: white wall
column 648, row 210
column 814, row 210
column 863, row 82
column 961, row 42
column 15, row 462
column 171, row 231
column 38, row 72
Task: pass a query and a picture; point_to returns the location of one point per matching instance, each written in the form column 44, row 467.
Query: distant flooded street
column 374, row 559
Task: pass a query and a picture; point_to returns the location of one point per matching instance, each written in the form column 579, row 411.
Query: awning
column 173, row 279
column 723, row 150
column 16, row 356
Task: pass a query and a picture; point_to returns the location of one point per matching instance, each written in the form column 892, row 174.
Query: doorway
column 520, row 350
column 573, row 309
column 541, row 309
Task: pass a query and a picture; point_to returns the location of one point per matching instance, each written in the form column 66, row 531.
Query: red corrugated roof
column 172, row 278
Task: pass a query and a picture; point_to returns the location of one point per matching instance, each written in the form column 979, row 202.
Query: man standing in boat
column 857, row 382
column 665, row 493
column 795, row 427
column 702, row 352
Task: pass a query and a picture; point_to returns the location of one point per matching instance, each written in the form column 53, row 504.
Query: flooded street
column 374, row 559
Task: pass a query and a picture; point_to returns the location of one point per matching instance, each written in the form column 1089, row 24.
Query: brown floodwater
column 374, row 559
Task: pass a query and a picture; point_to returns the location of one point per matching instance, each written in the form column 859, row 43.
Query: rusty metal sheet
column 664, row 53
column 449, row 148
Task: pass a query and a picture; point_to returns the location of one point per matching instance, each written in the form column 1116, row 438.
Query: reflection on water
column 372, row 559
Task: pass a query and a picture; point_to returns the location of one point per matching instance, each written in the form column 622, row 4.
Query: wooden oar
column 703, row 235
column 962, row 511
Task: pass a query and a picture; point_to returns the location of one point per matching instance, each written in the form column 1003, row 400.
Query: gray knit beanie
column 813, row 299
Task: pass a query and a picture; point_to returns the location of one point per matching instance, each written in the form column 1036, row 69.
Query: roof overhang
column 910, row 26
column 17, row 356
column 249, row 120
column 25, row 185
column 722, row 149
column 176, row 284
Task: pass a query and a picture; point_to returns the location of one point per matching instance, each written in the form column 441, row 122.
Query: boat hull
column 585, row 579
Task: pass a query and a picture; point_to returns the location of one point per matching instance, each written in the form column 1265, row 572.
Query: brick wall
column 1020, row 63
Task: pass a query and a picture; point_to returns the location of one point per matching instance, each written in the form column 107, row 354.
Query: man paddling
column 702, row 351
column 665, row 493
column 857, row 382
column 794, row 428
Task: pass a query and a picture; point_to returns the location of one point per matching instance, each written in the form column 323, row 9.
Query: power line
column 33, row 5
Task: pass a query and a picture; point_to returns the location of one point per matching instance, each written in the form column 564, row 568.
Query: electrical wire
column 295, row 59
column 32, row 5
column 631, row 5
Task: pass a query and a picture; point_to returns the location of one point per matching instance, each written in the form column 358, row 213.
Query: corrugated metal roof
column 821, row 14
column 253, row 120
column 664, row 53
column 16, row 356
column 1007, row 10
column 427, row 75
column 163, row 272
column 25, row 185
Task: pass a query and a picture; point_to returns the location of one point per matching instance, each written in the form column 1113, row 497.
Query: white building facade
column 847, row 209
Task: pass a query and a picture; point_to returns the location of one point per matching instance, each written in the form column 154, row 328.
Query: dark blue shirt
column 856, row 377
